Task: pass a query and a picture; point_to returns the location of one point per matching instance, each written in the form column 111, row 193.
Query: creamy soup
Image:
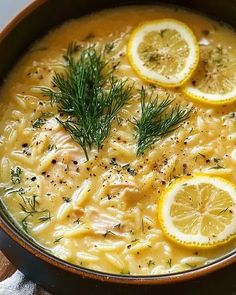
column 101, row 212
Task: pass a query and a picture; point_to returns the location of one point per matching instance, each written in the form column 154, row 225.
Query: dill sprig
column 40, row 121
column 16, row 175
column 155, row 121
column 89, row 96
column 29, row 206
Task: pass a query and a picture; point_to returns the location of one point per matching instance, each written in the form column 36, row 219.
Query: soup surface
column 101, row 213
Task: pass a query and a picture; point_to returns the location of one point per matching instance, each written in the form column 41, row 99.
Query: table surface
column 6, row 268
column 8, row 9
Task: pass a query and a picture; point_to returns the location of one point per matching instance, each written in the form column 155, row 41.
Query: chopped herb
column 169, row 262
column 90, row 98
column 46, row 217
column 52, row 147
column 66, row 199
column 29, row 204
column 57, row 240
column 11, row 190
column 232, row 115
column 155, row 122
column 113, row 162
column 77, row 221
column 24, row 223
column 39, row 122
column 150, row 263
column 216, row 160
column 134, row 241
column 217, row 167
column 130, row 170
column 118, row 225
column 109, row 232
column 16, row 175
column 30, row 207
column 126, row 167
column 109, row 47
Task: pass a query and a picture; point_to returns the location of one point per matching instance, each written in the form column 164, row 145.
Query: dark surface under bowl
column 52, row 273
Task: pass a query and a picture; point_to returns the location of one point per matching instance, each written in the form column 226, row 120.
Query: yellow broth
column 102, row 213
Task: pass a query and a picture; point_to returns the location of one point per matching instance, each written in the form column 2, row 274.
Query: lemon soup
column 118, row 141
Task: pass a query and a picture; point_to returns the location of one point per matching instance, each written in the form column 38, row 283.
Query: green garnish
column 40, row 121
column 126, row 167
column 130, row 170
column 46, row 217
column 12, row 190
column 16, row 175
column 169, row 262
column 217, row 167
column 109, row 47
column 30, row 206
column 52, row 147
column 108, row 232
column 57, row 240
column 150, row 263
column 89, row 97
column 155, row 122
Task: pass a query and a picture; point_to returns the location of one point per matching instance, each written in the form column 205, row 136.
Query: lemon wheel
column 214, row 81
column 163, row 51
column 199, row 211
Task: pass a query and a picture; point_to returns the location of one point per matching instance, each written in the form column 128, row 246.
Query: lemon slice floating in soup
column 199, row 211
column 163, row 51
column 214, row 82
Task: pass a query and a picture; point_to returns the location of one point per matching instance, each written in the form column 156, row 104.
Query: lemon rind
column 205, row 100
column 154, row 81
column 173, row 238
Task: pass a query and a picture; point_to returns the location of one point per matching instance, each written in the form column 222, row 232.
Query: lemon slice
column 214, row 82
column 199, row 211
column 163, row 51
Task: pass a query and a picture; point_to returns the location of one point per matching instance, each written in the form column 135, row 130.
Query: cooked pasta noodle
column 102, row 213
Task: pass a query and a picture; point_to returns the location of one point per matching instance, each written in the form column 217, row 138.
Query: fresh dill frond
column 155, row 121
column 30, row 207
column 46, row 217
column 169, row 262
column 24, row 223
column 89, row 95
column 57, row 240
column 16, row 175
column 29, row 204
column 40, row 121
column 52, row 147
column 11, row 190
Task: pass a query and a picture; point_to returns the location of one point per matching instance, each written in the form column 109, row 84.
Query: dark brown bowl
column 59, row 276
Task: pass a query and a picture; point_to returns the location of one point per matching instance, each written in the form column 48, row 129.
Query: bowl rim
column 44, row 256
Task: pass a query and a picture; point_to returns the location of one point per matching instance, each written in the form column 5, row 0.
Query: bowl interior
column 17, row 37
